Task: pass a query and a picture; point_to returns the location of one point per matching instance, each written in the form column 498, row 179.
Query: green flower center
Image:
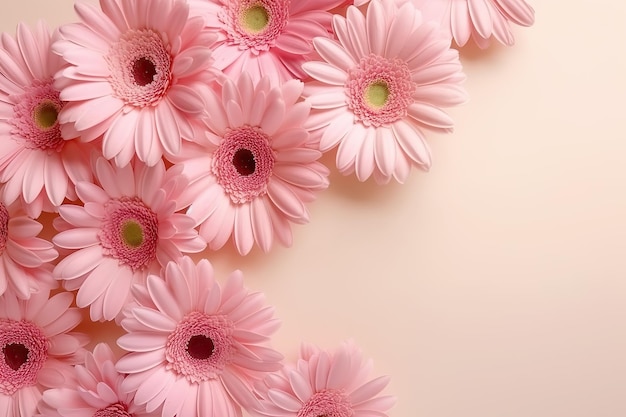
column 254, row 19
column 132, row 234
column 377, row 94
column 45, row 114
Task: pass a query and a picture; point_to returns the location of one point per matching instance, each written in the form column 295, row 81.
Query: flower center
column 200, row 346
column 327, row 403
column 376, row 94
column 254, row 24
column 4, row 227
column 114, row 410
column 24, row 352
column 35, row 117
column 255, row 18
column 130, row 232
column 140, row 66
column 45, row 114
column 144, row 71
column 15, row 355
column 379, row 90
column 243, row 163
column 243, row 160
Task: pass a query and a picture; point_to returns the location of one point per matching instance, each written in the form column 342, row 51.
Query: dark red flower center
column 200, row 347
column 15, row 355
column 144, row 71
column 243, row 160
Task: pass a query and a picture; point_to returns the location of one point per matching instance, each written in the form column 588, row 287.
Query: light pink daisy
column 385, row 79
column 478, row 19
column 196, row 348
column 258, row 168
column 95, row 391
column 265, row 37
column 127, row 228
column 25, row 259
column 38, row 348
column 136, row 72
column 325, row 383
column 37, row 163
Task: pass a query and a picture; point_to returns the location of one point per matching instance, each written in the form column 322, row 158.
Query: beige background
column 495, row 285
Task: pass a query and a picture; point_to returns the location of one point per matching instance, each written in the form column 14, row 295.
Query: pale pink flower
column 265, row 37
column 38, row 348
column 136, row 72
column 323, row 383
column 196, row 348
column 40, row 161
column 94, row 392
column 385, row 79
column 257, row 169
column 25, row 259
column 479, row 20
column 127, row 228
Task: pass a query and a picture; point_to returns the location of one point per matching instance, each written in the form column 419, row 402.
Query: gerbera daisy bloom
column 24, row 258
column 478, row 19
column 136, row 72
column 258, row 167
column 38, row 348
column 265, row 37
column 127, row 228
column 196, row 348
column 95, row 391
column 37, row 163
column 378, row 86
column 325, row 383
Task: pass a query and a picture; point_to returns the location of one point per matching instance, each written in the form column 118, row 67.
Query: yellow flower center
column 132, row 234
column 255, row 18
column 376, row 94
column 45, row 114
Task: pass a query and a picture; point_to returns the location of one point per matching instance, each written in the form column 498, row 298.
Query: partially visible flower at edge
column 269, row 38
column 479, row 20
column 25, row 258
column 324, row 383
column 94, row 392
column 37, row 348
column 40, row 158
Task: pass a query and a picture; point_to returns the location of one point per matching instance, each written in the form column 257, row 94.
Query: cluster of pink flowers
column 154, row 129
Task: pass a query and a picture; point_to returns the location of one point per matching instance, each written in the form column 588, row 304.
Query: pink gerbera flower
column 95, row 392
column 322, row 383
column 258, row 168
column 37, row 164
column 38, row 348
column 24, row 258
column 136, row 72
column 127, row 228
column 195, row 348
column 379, row 85
column 265, row 37
column 478, row 19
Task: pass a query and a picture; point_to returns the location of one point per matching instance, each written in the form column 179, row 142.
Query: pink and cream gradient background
column 495, row 285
